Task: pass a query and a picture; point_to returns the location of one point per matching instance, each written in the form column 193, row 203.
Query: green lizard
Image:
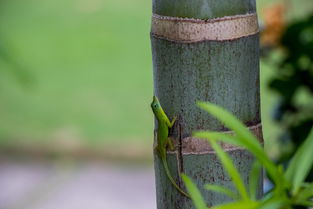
column 162, row 138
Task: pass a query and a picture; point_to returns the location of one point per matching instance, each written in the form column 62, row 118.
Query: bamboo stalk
column 209, row 51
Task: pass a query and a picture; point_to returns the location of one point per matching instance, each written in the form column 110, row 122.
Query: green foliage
column 294, row 84
column 231, row 170
column 195, row 194
column 300, row 164
column 254, row 179
column 242, row 138
column 221, row 189
column 290, row 189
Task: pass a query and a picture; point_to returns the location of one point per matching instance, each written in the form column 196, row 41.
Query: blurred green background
column 90, row 65
column 90, row 70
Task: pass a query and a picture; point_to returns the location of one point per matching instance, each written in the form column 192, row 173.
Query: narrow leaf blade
column 230, row 169
column 238, row 205
column 223, row 190
column 297, row 172
column 229, row 120
column 254, row 179
column 257, row 151
column 194, row 192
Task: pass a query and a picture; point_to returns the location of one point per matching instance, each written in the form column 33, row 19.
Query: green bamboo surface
column 225, row 73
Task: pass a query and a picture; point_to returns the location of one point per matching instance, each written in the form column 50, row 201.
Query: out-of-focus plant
column 273, row 25
column 17, row 69
column 293, row 43
column 290, row 190
column 294, row 78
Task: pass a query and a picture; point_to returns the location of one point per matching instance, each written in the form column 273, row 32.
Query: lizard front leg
column 172, row 122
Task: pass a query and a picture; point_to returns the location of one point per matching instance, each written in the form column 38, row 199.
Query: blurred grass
column 92, row 70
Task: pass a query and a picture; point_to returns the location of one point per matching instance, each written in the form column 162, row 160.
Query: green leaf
column 305, row 193
column 194, row 192
column 246, row 139
column 231, row 169
column 238, row 205
column 307, row 203
column 221, row 189
column 234, row 140
column 273, row 203
column 231, row 139
column 254, row 179
column 300, row 164
column 230, row 121
column 257, row 151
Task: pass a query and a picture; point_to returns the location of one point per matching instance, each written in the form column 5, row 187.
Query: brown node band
column 191, row 145
column 189, row 30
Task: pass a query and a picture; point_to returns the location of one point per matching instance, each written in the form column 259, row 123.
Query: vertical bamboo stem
column 204, row 50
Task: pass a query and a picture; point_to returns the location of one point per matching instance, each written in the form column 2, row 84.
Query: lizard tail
column 171, row 179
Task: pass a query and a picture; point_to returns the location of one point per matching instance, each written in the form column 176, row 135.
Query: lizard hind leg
column 157, row 149
column 170, row 144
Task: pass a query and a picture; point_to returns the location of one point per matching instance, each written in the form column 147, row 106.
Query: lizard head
column 155, row 105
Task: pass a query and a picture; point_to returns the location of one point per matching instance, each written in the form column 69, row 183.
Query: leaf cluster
column 290, row 189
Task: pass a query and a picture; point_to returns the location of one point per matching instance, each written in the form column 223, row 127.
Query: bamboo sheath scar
column 189, row 30
column 193, row 146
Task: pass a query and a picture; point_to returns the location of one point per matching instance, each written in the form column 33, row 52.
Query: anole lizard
column 162, row 138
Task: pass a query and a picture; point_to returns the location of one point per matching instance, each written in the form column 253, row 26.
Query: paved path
column 70, row 185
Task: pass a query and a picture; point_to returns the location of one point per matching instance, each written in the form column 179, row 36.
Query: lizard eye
column 155, row 105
